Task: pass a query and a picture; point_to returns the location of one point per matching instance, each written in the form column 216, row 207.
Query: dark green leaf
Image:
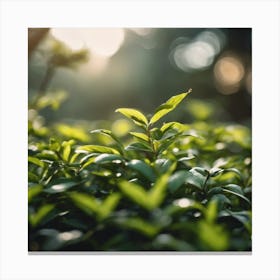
column 234, row 188
column 238, row 195
column 61, row 186
column 143, row 168
column 138, row 147
column 177, row 180
column 106, row 158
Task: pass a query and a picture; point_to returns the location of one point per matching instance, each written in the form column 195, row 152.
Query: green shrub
column 139, row 186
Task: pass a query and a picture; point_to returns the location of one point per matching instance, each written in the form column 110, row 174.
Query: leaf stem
column 151, row 141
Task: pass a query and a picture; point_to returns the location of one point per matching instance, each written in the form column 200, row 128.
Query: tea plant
column 163, row 186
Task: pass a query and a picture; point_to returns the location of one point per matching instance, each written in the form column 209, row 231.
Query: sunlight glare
column 71, row 37
column 183, row 202
column 101, row 41
column 104, row 41
column 229, row 71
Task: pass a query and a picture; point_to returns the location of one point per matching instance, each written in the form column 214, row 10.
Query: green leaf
column 33, row 191
column 66, row 145
column 110, row 134
column 108, row 205
column 234, row 188
column 141, row 136
column 36, row 161
column 92, row 205
column 138, row 147
column 167, row 142
column 148, row 200
column 54, row 145
column 195, row 178
column 136, row 193
column 215, row 190
column 234, row 170
column 72, row 132
column 106, row 158
column 136, row 116
column 36, row 218
column 167, row 126
column 85, row 202
column 162, row 165
column 168, row 106
column 211, row 211
column 177, row 180
column 243, row 217
column 139, row 225
column 158, row 191
column 213, row 237
column 238, row 195
column 96, row 149
column 61, row 186
column 33, row 177
column 143, row 168
column 221, row 199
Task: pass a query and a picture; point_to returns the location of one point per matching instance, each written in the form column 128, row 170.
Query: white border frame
column 262, row 16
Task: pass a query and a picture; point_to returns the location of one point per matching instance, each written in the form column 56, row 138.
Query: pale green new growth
column 134, row 115
column 168, row 106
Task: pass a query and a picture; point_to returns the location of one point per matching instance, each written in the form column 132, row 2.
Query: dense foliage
column 137, row 183
column 174, row 187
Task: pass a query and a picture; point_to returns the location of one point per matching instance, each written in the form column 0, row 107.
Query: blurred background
column 142, row 68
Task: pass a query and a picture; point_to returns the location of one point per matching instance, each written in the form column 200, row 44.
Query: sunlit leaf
column 96, row 149
column 136, row 193
column 108, row 205
column 211, row 211
column 36, row 161
column 201, row 110
column 33, row 177
column 107, row 158
column 158, row 191
column 33, row 191
column 166, row 126
column 138, row 147
column 36, row 218
column 85, row 202
column 136, row 116
column 139, row 225
column 66, row 149
column 213, row 237
column 61, row 186
column 168, row 106
column 54, row 145
column 110, row 134
column 140, row 135
column 73, row 132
